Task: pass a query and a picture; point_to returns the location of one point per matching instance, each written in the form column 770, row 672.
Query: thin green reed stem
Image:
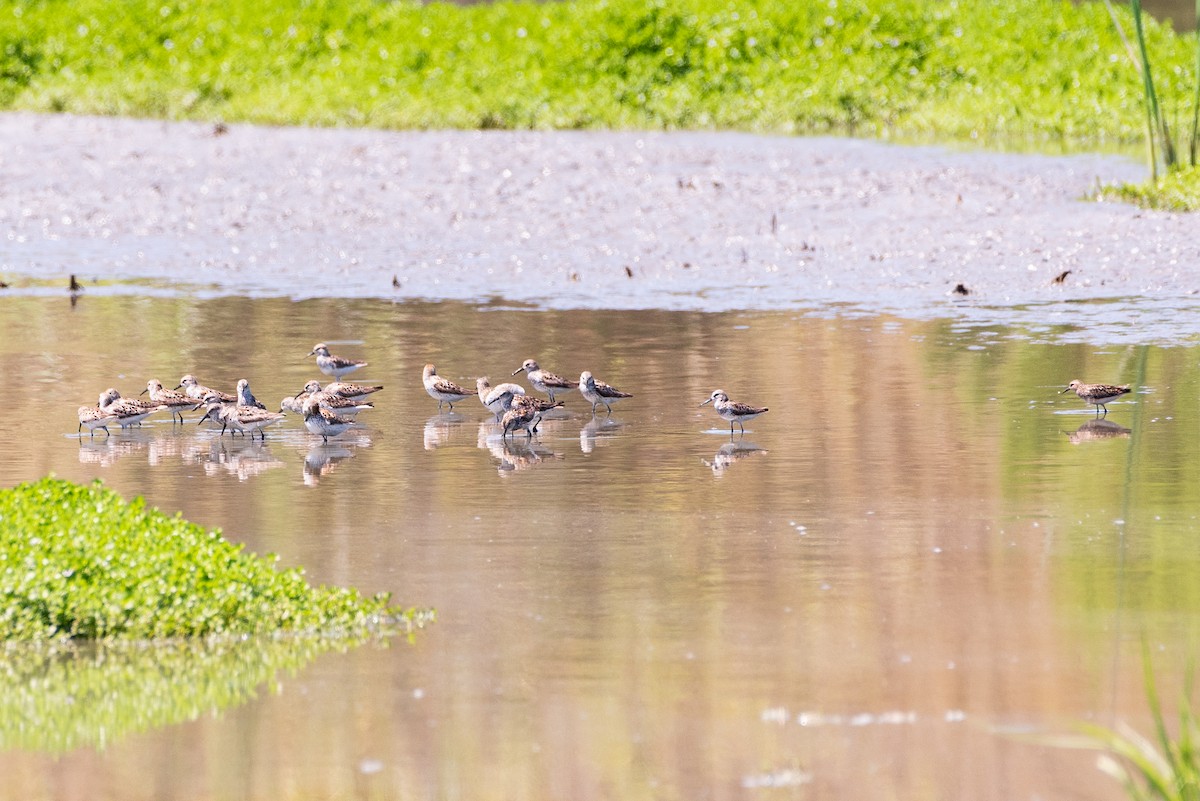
column 1133, row 58
column 1156, row 119
column 1196, row 96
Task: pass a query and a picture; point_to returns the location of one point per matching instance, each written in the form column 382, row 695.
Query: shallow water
column 921, row 553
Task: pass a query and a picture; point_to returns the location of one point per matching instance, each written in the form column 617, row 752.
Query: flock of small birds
column 330, row 410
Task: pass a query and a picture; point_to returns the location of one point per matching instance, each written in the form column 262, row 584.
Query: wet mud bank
column 620, row 220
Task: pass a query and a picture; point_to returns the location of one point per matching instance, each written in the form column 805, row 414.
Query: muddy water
column 920, row 553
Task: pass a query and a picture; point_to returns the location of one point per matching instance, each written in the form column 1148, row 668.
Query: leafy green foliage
column 983, row 70
column 79, row 562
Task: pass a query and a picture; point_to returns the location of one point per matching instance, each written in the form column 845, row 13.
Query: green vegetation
column 1166, row 770
column 994, row 71
column 79, row 562
column 1177, row 190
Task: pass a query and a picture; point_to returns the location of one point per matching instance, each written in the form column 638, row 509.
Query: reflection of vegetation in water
column 974, row 69
column 80, row 562
column 61, row 698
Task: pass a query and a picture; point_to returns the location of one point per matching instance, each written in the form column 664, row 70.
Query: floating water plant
column 79, row 562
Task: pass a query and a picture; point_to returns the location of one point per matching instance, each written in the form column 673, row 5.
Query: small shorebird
column 173, row 400
column 93, row 417
column 293, row 403
column 350, row 391
column 441, row 389
column 128, row 411
column 245, row 396
column 194, row 389
column 497, row 399
column 739, row 413
column 597, row 392
column 334, row 403
column 525, row 412
column 238, row 417
column 544, row 381
column 319, row 420
column 1099, row 395
column 335, row 366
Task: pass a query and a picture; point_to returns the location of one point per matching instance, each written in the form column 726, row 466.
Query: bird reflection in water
column 512, row 454
column 1094, row 430
column 243, row 458
column 322, row 459
column 105, row 452
column 598, row 429
column 441, row 428
column 731, row 452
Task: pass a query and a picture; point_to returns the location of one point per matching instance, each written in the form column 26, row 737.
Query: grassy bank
column 78, row 562
column 990, row 71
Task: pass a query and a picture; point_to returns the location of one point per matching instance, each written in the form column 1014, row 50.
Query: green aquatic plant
column 1166, row 768
column 79, row 562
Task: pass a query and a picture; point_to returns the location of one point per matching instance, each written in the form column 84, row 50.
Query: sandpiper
column 194, row 389
column 129, row 411
column 1099, row 395
column 441, row 389
column 522, row 402
column 335, row 366
column 597, row 392
column 245, row 396
column 293, row 403
column 351, row 391
column 497, row 399
column 239, row 417
column 174, row 401
column 544, row 381
column 220, row 411
column 319, row 420
column 739, row 413
column 526, row 413
column 334, row 403
column 93, row 417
